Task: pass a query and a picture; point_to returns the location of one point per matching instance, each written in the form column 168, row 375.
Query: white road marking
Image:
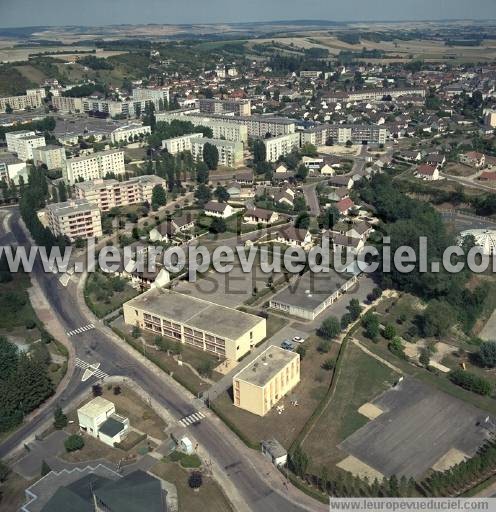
column 191, row 418
column 90, row 370
column 79, row 330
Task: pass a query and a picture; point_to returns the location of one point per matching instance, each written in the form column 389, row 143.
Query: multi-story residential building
column 11, row 168
column 32, row 99
column 207, row 326
column 230, row 153
column 130, row 133
column 229, row 106
column 266, row 380
column 143, row 96
column 67, row 104
column 23, row 142
column 257, row 126
column 181, row 143
column 282, row 145
column 490, row 118
column 108, row 194
column 110, row 107
column 52, row 156
column 310, row 74
column 376, row 94
column 342, row 133
column 77, row 218
column 94, row 166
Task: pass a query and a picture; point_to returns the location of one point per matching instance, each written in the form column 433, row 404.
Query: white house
column 215, row 209
column 260, row 216
column 99, row 419
column 427, row 172
column 294, row 236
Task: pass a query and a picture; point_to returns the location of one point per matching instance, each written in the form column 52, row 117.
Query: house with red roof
column 427, row 172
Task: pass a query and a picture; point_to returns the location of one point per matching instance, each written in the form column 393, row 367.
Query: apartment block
column 110, row 107
column 256, row 126
column 32, row 99
column 490, row 118
column 282, row 145
column 67, row 104
column 23, row 142
column 342, row 133
column 201, row 324
column 230, row 106
column 130, row 133
column 146, row 95
column 267, row 379
column 11, row 168
column 108, row 194
column 75, row 219
column 52, row 156
column 94, row 166
column 230, row 153
column 181, row 143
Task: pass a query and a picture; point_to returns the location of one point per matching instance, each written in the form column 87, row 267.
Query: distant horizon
column 70, row 13
column 259, row 22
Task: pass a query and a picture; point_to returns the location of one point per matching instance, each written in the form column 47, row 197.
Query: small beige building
column 99, row 419
column 268, row 378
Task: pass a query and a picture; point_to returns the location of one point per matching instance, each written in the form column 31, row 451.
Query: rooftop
column 311, row 289
column 197, row 313
column 269, row 363
column 111, row 427
column 95, row 407
column 71, row 207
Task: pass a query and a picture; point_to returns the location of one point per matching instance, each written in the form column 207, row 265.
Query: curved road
column 96, row 346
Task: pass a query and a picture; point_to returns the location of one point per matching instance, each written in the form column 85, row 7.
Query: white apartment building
column 130, row 133
column 77, row 218
column 276, row 147
column 217, row 106
column 52, row 156
column 94, row 166
column 145, row 95
column 32, row 99
column 23, row 143
column 342, row 133
column 67, row 104
column 108, row 194
column 230, row 153
column 490, row 118
column 110, row 107
column 181, row 143
column 11, row 168
column 256, row 126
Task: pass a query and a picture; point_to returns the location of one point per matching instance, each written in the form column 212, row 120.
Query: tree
column 221, row 194
column 301, row 350
column 346, row 320
column 355, row 309
column 471, row 382
column 205, row 368
column 424, row 357
column 259, row 152
column 158, row 197
column 74, row 443
column 301, row 172
column 328, row 364
column 4, row 471
column 389, row 331
column 136, row 332
column 202, row 194
column 299, row 462
column 487, row 354
column 218, row 225
column 329, row 217
column 330, row 328
column 371, row 323
column 303, row 221
column 97, row 390
column 437, row 319
column 62, row 192
column 195, row 480
column 59, row 418
column 210, row 155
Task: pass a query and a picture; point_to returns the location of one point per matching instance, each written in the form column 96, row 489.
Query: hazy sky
column 15, row 13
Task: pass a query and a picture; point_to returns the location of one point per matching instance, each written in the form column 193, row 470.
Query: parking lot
column 420, row 426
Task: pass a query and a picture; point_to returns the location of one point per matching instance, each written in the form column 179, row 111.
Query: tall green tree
column 210, row 156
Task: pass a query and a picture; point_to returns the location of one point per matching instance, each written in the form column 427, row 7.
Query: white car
column 298, row 339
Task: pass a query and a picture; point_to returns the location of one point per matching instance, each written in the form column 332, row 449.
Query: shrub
column 389, row 331
column 487, row 354
column 329, row 364
column 195, row 480
column 74, row 443
column 471, row 382
column 59, row 418
column 330, row 328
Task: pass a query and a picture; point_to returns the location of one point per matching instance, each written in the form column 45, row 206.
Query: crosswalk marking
column 79, row 330
column 192, row 418
column 95, row 371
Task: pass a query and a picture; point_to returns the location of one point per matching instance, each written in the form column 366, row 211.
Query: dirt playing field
column 358, row 468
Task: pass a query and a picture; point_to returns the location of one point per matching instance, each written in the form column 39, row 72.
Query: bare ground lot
column 420, row 426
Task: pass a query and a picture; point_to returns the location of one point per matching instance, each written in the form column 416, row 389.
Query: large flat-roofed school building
column 224, row 331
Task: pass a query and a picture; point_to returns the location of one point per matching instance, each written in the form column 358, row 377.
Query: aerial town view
column 247, row 255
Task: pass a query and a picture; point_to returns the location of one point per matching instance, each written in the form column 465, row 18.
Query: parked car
column 287, row 345
column 298, row 339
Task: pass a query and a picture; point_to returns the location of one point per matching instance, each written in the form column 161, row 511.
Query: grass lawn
column 209, row 498
column 102, row 298
column 184, row 375
column 12, row 492
column 286, row 426
column 362, row 378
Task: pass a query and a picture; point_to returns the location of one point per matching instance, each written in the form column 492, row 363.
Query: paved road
column 96, row 346
column 310, row 193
